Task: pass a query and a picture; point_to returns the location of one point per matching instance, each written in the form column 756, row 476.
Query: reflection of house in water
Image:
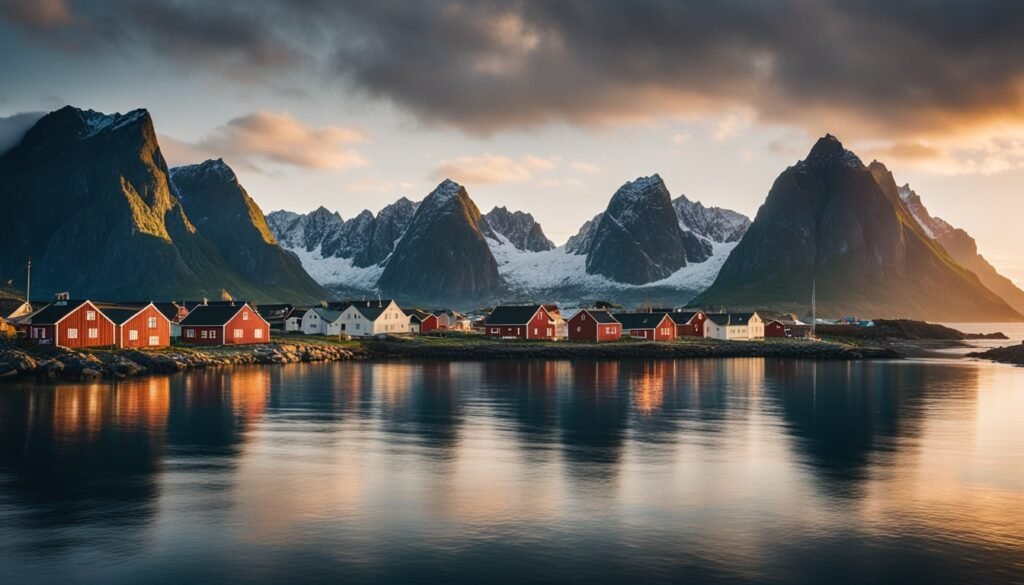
column 593, row 419
column 526, row 393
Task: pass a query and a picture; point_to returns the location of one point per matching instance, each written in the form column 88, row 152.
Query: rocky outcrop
column 520, row 229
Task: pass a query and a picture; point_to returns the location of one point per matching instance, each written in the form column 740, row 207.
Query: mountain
column 444, row 256
column 529, row 265
column 98, row 215
column 222, row 211
column 714, row 223
column 520, row 229
column 957, row 242
column 638, row 238
column 828, row 220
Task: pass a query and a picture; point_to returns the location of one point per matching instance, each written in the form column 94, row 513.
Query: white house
column 294, row 322
column 318, row 320
column 363, row 318
column 734, row 326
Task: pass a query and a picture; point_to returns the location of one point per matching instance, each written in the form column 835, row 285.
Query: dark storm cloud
column 877, row 65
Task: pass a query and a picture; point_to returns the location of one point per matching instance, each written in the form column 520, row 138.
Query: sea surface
column 674, row 471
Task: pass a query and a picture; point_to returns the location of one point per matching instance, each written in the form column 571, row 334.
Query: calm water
column 719, row 471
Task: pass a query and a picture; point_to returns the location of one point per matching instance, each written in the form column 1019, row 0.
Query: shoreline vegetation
column 20, row 360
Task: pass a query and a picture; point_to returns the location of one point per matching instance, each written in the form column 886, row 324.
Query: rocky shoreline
column 58, row 364
column 1012, row 354
column 19, row 362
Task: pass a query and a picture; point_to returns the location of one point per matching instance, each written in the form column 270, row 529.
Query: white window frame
column 258, row 334
column 190, row 333
column 239, row 333
column 203, row 334
column 151, row 322
column 72, row 333
column 154, row 340
column 133, row 335
column 90, row 315
column 94, row 333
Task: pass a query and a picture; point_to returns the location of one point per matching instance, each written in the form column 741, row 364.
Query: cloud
column 279, row 139
column 36, row 14
column 982, row 156
column 489, row 168
column 13, row 128
column 680, row 139
column 894, row 69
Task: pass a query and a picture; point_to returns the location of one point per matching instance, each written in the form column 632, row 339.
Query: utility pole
column 28, row 282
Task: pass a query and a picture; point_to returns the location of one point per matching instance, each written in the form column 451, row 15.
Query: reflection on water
column 742, row 470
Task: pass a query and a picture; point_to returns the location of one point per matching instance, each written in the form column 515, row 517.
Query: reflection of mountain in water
column 847, row 419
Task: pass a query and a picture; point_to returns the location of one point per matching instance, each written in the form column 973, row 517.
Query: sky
column 546, row 107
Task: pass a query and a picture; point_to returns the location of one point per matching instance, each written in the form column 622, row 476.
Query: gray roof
column 599, row 315
column 54, row 312
column 329, row 315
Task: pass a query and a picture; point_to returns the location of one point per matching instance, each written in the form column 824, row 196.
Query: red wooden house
column 72, row 324
column 594, row 325
column 224, row 325
column 651, row 326
column 429, row 323
column 520, row 322
column 139, row 327
column 775, row 329
column 689, row 323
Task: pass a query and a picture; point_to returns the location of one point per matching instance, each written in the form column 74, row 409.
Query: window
column 238, row 334
column 213, row 334
column 579, row 329
column 152, row 323
column 495, row 330
column 133, row 335
column 72, row 333
column 203, row 334
column 245, row 315
column 94, row 333
column 190, row 333
column 535, row 331
column 258, row 333
column 583, row 317
column 90, row 315
column 154, row 340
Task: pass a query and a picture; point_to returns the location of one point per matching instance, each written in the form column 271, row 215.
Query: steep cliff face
column 828, row 220
column 222, row 212
column 444, row 255
column 957, row 242
column 520, row 229
column 98, row 216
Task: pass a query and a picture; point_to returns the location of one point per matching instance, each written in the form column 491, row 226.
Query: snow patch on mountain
column 333, row 270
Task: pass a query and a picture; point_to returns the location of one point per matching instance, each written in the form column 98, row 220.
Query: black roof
column 730, row 318
column 512, row 314
column 193, row 304
column 679, row 317
column 54, row 312
column 211, row 314
column 418, row 314
column 273, row 310
column 167, row 309
column 600, row 315
column 639, row 320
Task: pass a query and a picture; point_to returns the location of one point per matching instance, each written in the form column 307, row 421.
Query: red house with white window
column 688, row 323
column 144, row 327
column 520, row 322
column 72, row 324
column 775, row 329
column 224, row 325
column 650, row 326
column 594, row 325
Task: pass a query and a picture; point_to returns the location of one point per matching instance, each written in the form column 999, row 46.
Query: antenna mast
column 28, row 282
column 814, row 307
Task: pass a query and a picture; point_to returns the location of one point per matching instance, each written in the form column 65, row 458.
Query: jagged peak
column 208, row 169
column 828, row 148
column 97, row 122
column 446, row 191
column 640, row 189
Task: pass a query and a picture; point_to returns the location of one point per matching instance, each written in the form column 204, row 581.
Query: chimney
column 205, row 301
